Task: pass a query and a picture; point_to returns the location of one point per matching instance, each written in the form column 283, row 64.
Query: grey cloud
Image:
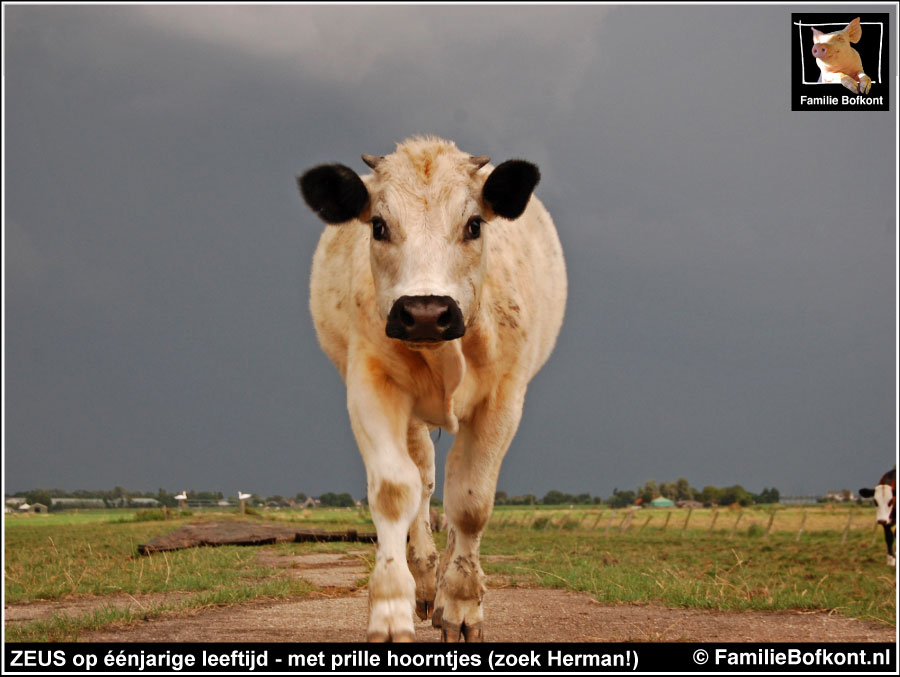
column 731, row 263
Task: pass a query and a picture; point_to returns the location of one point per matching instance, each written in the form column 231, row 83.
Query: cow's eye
column 379, row 228
column 473, row 228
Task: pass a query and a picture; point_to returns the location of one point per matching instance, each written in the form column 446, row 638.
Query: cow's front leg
column 470, row 483
column 889, row 541
column 422, row 555
column 379, row 415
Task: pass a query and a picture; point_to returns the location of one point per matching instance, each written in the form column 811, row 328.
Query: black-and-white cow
column 885, row 497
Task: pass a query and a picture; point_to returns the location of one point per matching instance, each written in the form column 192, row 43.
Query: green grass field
column 653, row 557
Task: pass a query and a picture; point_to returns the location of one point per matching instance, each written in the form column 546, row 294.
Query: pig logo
column 838, row 61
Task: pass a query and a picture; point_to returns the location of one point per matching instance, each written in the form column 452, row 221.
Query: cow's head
column 427, row 207
column 884, row 496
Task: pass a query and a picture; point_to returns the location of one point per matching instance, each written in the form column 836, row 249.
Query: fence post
column 686, row 520
column 650, row 517
column 715, row 517
column 802, row 524
column 609, row 524
column 625, row 522
column 668, row 517
column 771, row 519
column 734, row 526
column 847, row 527
column 597, row 521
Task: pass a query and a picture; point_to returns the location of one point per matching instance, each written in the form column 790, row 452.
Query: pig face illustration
column 838, row 61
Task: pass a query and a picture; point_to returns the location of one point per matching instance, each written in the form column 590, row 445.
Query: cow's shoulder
column 341, row 288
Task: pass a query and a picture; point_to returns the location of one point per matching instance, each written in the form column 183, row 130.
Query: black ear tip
column 509, row 187
column 334, row 192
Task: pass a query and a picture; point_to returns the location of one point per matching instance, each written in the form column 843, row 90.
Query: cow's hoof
column 424, row 609
column 400, row 636
column 391, row 620
column 453, row 632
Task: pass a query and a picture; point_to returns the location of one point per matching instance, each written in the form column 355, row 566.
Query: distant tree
column 435, row 501
column 301, row 497
column 622, row 499
column 736, row 494
column 582, row 499
column 649, row 491
column 554, row 497
column 500, row 498
column 119, row 492
column 683, row 490
column 330, row 499
column 165, row 498
column 769, row 496
column 711, row 494
column 41, row 496
column 669, row 490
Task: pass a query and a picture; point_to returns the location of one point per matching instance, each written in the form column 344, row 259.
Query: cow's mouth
column 423, row 345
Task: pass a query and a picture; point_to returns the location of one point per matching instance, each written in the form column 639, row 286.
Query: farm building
column 662, row 502
column 15, row 501
column 77, row 503
column 688, row 504
column 143, row 503
column 34, row 507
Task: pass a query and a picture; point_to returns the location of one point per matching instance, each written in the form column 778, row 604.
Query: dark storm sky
column 731, row 316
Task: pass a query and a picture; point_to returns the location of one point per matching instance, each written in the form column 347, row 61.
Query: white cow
column 438, row 298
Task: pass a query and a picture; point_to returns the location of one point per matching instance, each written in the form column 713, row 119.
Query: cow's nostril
column 407, row 319
column 444, row 319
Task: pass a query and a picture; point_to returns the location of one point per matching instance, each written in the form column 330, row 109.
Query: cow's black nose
column 425, row 318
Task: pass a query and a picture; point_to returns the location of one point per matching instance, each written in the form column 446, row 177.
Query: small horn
column 372, row 160
column 479, row 161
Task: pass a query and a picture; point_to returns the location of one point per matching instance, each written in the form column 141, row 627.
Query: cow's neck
column 448, row 364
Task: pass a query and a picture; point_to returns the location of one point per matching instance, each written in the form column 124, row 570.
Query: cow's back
column 525, row 287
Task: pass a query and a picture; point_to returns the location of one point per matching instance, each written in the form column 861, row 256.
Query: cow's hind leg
column 473, row 465
column 379, row 415
column 421, row 555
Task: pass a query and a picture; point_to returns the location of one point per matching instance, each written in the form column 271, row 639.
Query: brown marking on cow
column 391, row 499
column 465, row 579
column 471, row 521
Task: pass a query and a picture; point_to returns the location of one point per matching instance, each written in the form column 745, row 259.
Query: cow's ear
column 866, row 493
column 508, row 188
column 334, row 192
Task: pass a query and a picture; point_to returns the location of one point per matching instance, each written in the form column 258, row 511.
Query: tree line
column 679, row 490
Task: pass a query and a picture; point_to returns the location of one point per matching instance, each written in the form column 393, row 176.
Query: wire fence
column 688, row 522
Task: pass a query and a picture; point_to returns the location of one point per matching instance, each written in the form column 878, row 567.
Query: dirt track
column 338, row 614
